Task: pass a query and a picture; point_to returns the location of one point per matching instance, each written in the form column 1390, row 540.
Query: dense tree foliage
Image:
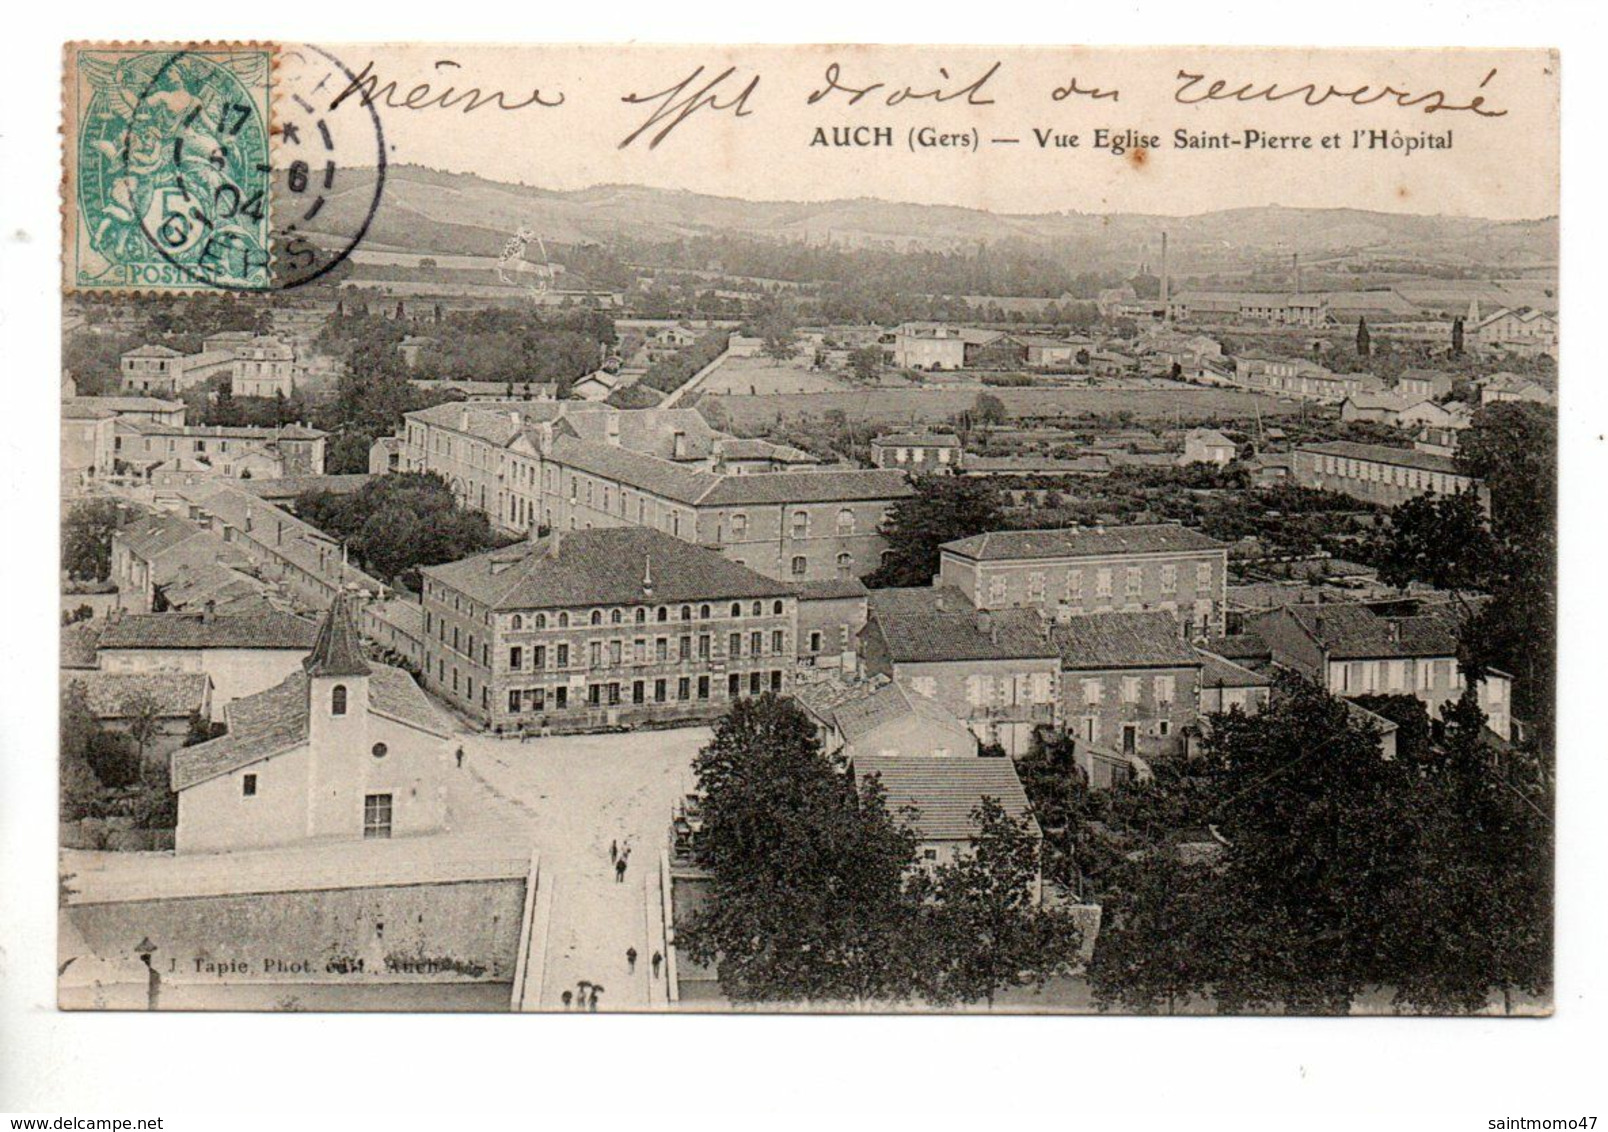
column 86, row 539
column 817, row 896
column 1343, row 875
column 398, row 523
column 943, row 508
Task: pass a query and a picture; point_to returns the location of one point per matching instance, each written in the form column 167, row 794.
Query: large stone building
column 1129, row 682
column 1377, row 473
column 996, row 670
column 243, row 654
column 920, row 452
column 255, row 366
column 1080, row 570
column 1353, row 651
column 565, row 467
column 141, row 446
column 609, row 626
column 341, row 749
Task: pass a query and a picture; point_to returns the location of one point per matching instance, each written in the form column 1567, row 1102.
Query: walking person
column 568, row 997
column 591, row 1003
column 630, row 960
column 619, row 871
column 583, row 989
column 657, row 961
column 460, row 758
column 614, row 852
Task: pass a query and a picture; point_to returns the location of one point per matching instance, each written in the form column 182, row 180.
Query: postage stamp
column 167, row 167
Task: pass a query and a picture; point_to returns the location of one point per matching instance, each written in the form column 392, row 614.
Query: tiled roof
column 276, row 533
column 603, row 566
column 267, row 630
column 918, row 440
column 860, row 715
column 152, row 352
column 153, row 534
column 1384, row 454
column 406, row 614
column 1220, row 672
column 1123, row 640
column 127, row 404
column 754, row 448
column 829, row 589
column 921, row 624
column 177, row 694
column 807, row 487
column 946, row 792
column 79, row 411
column 660, row 477
column 1210, row 437
column 1240, row 646
column 274, row 721
column 1351, row 632
column 1083, row 542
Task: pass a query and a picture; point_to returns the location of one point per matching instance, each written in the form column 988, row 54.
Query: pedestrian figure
column 619, row 871
column 625, row 854
column 657, row 959
column 614, row 852
column 591, row 1003
column 568, row 998
column 460, row 758
column 583, row 988
column 630, row 959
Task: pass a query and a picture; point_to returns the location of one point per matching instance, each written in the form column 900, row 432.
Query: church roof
column 337, row 651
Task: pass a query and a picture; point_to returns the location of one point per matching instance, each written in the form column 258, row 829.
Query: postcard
column 808, row 529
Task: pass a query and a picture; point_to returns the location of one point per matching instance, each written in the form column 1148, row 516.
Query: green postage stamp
column 168, row 173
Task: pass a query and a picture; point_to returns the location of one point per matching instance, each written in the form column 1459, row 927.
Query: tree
column 865, row 362
column 86, row 539
column 781, row 341
column 808, row 900
column 1155, row 953
column 942, row 509
column 986, row 931
column 1364, row 339
column 144, row 715
column 988, row 410
column 1443, row 540
column 1457, row 337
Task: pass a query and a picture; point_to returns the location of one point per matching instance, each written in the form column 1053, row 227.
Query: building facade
column 1376, row 473
column 1081, row 570
column 617, row 626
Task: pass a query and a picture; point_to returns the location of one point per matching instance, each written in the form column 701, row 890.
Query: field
column 765, row 377
column 1183, row 403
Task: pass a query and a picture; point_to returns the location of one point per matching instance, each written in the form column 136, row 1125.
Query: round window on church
column 379, row 750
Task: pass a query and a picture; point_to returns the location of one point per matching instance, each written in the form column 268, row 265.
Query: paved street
column 576, row 795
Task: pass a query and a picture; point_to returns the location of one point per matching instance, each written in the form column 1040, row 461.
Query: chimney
column 554, row 539
column 678, row 445
column 463, row 418
column 938, row 602
column 647, row 576
column 985, row 622
column 209, row 610
column 516, row 418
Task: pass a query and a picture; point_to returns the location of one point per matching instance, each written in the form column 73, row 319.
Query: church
column 345, row 748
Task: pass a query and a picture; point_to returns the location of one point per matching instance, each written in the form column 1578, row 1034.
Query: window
column 1203, row 575
column 1102, row 583
column 563, row 655
column 739, row 525
column 1035, row 587
column 734, row 645
column 925, row 686
column 563, row 620
column 845, row 522
column 815, row 641
column 1093, row 692
column 758, row 609
column 641, row 615
column 777, row 640
column 594, row 654
column 703, row 646
column 753, row 683
column 1164, row 687
column 658, row 691
column 684, row 650
column 734, row 686
column 1169, row 579
column 683, row 688
column 1135, row 581
column 996, row 590
column 800, row 566
column 538, row 658
column 703, row 613
column 776, row 680
column 513, row 700
column 801, row 524
column 541, row 621
column 756, row 643
column 337, row 700
column 661, row 650
column 248, row 786
column 662, row 614
column 1074, row 585
column 845, row 565
column 597, row 617
column 736, row 609
column 516, row 655
column 377, row 815
column 703, row 687
column 638, row 691
column 776, row 607
column 380, row 750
